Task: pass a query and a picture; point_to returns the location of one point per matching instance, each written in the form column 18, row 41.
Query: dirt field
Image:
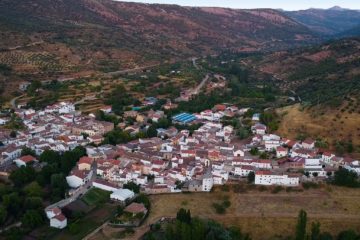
column 330, row 125
column 262, row 214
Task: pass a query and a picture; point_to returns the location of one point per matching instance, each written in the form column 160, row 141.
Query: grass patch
column 96, row 196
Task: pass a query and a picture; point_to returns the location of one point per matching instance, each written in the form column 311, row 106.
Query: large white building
column 269, row 178
column 122, row 195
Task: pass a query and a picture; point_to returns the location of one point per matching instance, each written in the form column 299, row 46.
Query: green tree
column 33, row 203
column 315, row 231
column 22, row 176
column 58, row 186
column 344, row 177
column 13, row 134
column 50, row 156
column 151, row 132
column 33, row 190
column 183, row 216
column 32, row 218
column 198, row 229
column 13, row 203
column 28, row 151
column 348, row 235
column 301, row 226
column 3, row 215
column 169, row 232
column 251, row 177
column 325, row 236
column 132, row 186
column 185, row 231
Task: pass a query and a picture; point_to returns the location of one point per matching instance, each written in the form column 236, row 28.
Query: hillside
column 326, row 79
column 48, row 39
column 325, row 74
column 327, row 21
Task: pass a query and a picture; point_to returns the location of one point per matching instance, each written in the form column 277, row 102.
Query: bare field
column 262, row 214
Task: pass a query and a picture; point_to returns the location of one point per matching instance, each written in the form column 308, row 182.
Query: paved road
column 131, row 70
column 198, row 88
column 17, row 224
column 194, row 63
column 85, row 99
column 13, row 102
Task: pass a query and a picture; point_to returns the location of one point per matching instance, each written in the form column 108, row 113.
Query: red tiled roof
column 264, row 172
column 56, row 210
column 281, row 149
column 135, row 208
column 60, row 217
column 85, row 160
column 27, row 158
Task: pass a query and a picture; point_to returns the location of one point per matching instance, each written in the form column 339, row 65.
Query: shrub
column 219, row 208
column 277, row 189
column 308, row 185
column 262, row 188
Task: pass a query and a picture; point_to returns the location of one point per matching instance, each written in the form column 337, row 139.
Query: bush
column 239, row 188
column 225, row 188
column 262, row 188
column 308, row 185
column 277, row 189
column 219, row 208
column 226, row 203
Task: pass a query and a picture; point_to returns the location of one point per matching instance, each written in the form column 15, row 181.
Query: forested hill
column 326, row 74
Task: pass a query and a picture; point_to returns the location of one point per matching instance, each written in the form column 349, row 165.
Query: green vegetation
column 220, row 208
column 316, row 234
column 132, row 186
column 95, row 197
column 346, row 178
column 119, row 98
column 24, row 201
column 186, row 228
column 5, row 69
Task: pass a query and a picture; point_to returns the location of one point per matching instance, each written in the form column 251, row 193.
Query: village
column 174, row 161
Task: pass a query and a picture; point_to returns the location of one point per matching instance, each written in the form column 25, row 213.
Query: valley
column 125, row 120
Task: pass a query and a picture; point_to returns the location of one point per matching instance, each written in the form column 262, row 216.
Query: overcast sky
column 284, row 4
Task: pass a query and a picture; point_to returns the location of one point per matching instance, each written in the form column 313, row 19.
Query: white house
column 281, row 152
column 106, row 109
column 308, row 144
column 326, row 157
column 78, row 178
column 271, row 145
column 243, row 171
column 24, row 160
column 122, row 195
column 353, row 166
column 258, row 129
column 269, row 178
column 66, row 108
column 52, row 212
column 59, row 221
column 256, row 117
column 239, row 153
column 3, row 121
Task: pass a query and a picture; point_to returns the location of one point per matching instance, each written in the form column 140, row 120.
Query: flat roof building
column 184, row 118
